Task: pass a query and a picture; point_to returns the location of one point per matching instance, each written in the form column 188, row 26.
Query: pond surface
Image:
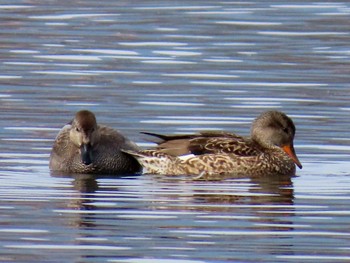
column 174, row 67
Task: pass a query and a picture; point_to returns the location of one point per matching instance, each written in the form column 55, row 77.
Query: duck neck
column 263, row 144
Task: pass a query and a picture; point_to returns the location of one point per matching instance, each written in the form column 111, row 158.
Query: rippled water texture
column 174, row 67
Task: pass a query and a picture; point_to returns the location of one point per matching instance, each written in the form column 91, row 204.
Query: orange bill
column 289, row 149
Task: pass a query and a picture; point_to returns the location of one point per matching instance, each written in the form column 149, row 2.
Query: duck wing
column 206, row 143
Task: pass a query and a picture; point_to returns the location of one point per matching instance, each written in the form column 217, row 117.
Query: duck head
column 275, row 128
column 84, row 134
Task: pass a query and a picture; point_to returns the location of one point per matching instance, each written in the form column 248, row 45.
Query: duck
column 268, row 151
column 85, row 147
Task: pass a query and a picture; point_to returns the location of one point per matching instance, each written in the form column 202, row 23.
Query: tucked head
column 275, row 128
column 84, row 134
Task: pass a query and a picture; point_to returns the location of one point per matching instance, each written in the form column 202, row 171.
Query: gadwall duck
column 269, row 151
column 83, row 146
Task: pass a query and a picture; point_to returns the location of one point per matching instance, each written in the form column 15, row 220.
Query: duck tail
column 157, row 138
column 160, row 136
column 165, row 138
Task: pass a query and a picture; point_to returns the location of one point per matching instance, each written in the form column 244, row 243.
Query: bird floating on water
column 269, row 151
column 83, row 146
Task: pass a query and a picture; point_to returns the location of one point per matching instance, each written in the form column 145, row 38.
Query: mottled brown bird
column 83, row 146
column 269, row 151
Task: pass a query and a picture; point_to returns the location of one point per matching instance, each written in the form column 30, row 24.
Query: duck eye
column 285, row 130
column 77, row 129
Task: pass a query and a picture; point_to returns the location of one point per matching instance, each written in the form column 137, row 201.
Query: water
column 174, row 67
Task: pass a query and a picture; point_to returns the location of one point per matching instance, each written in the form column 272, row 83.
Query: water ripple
column 174, row 67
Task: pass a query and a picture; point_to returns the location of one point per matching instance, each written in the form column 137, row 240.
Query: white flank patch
column 186, row 157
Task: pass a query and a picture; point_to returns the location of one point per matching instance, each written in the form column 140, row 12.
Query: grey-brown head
column 275, row 128
column 84, row 134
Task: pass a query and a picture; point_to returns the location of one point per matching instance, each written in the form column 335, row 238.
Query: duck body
column 82, row 146
column 269, row 151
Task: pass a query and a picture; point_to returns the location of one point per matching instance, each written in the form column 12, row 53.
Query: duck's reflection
column 85, row 183
column 276, row 190
column 255, row 205
column 274, row 209
column 84, row 198
column 267, row 190
column 267, row 194
column 269, row 198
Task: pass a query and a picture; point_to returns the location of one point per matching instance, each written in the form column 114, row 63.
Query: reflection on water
column 174, row 67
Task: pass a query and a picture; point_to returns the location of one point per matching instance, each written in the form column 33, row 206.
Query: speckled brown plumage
column 269, row 151
column 83, row 146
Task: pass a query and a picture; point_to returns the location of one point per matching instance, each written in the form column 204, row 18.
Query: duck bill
column 86, row 156
column 289, row 149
